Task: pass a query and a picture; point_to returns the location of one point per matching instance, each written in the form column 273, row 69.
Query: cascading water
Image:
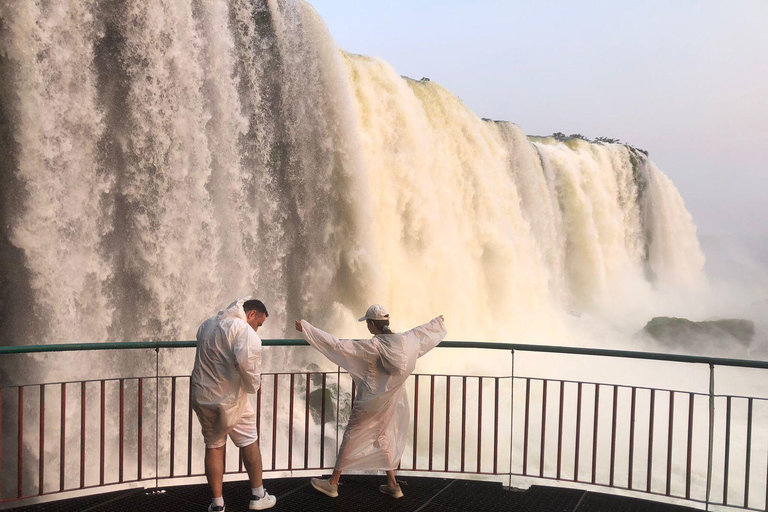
column 160, row 158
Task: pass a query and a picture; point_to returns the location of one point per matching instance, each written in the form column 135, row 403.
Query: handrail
column 492, row 345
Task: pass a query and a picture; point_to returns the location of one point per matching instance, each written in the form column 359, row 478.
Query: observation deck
column 360, row 493
column 507, row 427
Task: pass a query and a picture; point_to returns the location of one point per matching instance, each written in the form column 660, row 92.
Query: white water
column 175, row 155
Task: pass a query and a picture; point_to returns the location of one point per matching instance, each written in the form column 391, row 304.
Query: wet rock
column 681, row 331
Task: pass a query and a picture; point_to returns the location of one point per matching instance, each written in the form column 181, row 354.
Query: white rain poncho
column 378, row 425
column 227, row 368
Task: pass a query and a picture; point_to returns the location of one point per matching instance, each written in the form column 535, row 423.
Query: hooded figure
column 376, row 434
column 227, row 369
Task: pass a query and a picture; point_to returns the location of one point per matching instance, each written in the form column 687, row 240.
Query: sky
column 686, row 80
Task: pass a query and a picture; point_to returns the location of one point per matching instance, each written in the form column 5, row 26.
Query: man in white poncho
column 227, row 369
column 378, row 425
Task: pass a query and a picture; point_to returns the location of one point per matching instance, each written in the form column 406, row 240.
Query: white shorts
column 243, row 433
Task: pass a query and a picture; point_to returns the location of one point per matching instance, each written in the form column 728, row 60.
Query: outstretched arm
column 430, row 334
column 350, row 355
column 327, row 344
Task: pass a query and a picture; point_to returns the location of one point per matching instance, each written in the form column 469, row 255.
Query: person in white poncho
column 227, row 369
column 378, row 425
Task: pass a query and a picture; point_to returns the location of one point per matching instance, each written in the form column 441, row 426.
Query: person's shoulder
column 233, row 324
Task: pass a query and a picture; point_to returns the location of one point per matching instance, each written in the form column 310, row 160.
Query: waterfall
column 161, row 158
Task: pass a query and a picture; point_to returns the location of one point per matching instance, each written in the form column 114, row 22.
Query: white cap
column 375, row 312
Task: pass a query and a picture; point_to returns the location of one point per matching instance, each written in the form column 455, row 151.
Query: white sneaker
column 395, row 491
column 325, row 487
column 268, row 501
column 212, row 508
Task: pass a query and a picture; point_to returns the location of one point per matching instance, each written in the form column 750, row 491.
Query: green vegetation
column 561, row 137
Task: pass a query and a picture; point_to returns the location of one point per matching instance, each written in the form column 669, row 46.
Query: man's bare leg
column 391, row 481
column 252, row 463
column 335, row 477
column 214, row 469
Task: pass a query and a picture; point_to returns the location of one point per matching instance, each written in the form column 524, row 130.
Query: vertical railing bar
column 290, row 425
column 711, row 427
column 322, row 423
column 689, row 457
column 239, row 461
column 103, row 430
column 189, row 428
column 82, row 434
column 1, row 434
column 121, row 431
column 560, row 430
column 631, row 437
column 527, row 423
column 306, row 423
column 140, row 429
column 41, row 458
column 727, row 461
column 173, row 425
column 258, row 410
column 157, row 419
column 594, row 432
column 766, row 490
column 274, row 421
column 463, row 420
column 511, row 412
column 62, row 460
column 431, row 418
column 669, row 440
column 578, row 433
column 749, row 453
column 479, row 421
column 41, row 462
column 496, row 426
column 543, row 425
column 613, row 435
column 338, row 404
column 19, row 460
column 415, row 418
column 650, row 442
column 447, row 417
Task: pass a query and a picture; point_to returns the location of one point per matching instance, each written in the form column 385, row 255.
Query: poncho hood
column 394, row 356
column 235, row 310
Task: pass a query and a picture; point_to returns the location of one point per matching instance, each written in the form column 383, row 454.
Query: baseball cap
column 375, row 312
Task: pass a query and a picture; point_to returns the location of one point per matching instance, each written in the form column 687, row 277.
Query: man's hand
column 298, row 326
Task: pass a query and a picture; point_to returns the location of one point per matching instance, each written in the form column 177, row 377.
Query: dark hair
column 255, row 305
column 382, row 325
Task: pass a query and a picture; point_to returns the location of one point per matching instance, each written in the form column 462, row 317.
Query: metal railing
column 701, row 447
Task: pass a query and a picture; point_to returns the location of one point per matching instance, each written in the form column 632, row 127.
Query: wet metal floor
column 360, row 493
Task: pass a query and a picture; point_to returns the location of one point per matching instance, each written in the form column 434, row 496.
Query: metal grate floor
column 360, row 493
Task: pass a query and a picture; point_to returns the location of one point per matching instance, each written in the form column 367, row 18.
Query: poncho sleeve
column 246, row 345
column 428, row 335
column 349, row 354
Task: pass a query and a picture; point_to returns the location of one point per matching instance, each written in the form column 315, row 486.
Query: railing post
column 511, row 410
column 1, row 435
column 338, row 402
column 711, row 431
column 157, row 418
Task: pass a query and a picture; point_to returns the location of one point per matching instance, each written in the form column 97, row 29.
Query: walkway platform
column 360, row 493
